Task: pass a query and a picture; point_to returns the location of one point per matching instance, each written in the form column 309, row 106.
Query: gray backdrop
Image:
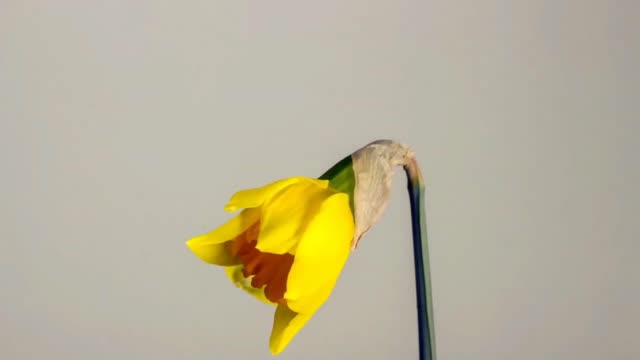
column 126, row 126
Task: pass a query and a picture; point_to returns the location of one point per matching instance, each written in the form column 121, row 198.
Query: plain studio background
column 126, row 126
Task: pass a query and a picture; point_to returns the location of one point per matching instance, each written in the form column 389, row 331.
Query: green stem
column 426, row 328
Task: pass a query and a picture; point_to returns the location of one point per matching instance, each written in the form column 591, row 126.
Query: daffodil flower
column 286, row 247
column 291, row 238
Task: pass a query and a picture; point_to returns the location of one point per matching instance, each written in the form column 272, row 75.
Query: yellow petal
column 255, row 197
column 216, row 254
column 285, row 216
column 238, row 279
column 320, row 256
column 210, row 248
column 286, row 325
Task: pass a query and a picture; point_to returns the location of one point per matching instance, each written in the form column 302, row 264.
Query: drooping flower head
column 291, row 239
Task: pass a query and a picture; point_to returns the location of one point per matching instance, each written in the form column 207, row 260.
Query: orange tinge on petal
column 266, row 268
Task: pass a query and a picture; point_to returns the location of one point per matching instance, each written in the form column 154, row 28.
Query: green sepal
column 342, row 178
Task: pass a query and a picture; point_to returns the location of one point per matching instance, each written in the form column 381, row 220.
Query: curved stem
column 426, row 328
